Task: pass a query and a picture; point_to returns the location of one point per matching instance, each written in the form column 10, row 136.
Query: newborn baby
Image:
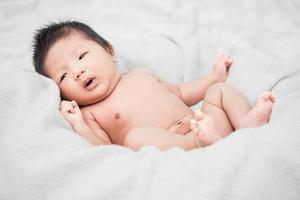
column 138, row 108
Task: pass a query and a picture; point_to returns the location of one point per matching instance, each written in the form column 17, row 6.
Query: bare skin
column 208, row 131
column 139, row 108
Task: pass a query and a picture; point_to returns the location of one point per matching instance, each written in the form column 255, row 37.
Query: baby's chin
column 92, row 97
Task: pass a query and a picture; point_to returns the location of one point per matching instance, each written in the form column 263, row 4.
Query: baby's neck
column 114, row 84
column 118, row 79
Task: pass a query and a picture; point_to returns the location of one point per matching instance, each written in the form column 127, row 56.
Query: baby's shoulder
column 86, row 112
column 90, row 112
column 143, row 70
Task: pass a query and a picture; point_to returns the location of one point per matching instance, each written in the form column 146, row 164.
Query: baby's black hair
column 46, row 36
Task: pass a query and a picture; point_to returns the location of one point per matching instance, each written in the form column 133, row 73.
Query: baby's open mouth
column 88, row 82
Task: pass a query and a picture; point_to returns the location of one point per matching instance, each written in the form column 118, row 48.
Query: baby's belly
column 180, row 125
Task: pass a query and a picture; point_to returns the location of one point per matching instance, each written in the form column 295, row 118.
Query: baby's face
column 83, row 70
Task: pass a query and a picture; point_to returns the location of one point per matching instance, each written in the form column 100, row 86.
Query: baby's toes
column 272, row 98
column 229, row 62
column 265, row 95
column 199, row 115
column 204, row 138
column 200, row 135
column 193, row 124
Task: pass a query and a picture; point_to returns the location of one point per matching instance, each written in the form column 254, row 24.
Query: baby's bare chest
column 139, row 101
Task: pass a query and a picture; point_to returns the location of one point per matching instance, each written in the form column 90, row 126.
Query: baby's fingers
column 67, row 107
column 75, row 106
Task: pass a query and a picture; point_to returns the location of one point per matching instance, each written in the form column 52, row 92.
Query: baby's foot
column 222, row 67
column 205, row 130
column 260, row 113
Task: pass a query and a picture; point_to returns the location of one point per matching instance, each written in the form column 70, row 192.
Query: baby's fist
column 71, row 112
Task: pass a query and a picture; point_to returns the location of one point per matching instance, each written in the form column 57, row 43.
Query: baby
column 138, row 108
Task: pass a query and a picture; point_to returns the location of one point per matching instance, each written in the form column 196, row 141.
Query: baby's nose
column 78, row 73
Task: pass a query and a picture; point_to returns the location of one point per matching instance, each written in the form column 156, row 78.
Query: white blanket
column 41, row 158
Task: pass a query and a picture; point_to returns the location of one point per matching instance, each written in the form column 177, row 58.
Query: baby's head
column 81, row 62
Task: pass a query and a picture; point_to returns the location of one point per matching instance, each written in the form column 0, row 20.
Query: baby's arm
column 194, row 91
column 83, row 124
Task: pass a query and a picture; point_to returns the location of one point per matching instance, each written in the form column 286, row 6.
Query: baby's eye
column 83, row 55
column 62, row 77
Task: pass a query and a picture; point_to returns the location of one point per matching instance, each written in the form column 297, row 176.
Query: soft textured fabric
column 41, row 157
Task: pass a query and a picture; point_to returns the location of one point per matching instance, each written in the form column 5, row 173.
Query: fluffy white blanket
column 41, row 158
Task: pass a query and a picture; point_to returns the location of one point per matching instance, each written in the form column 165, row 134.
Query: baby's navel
column 117, row 115
column 180, row 122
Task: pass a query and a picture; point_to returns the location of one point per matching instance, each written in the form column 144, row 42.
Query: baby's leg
column 230, row 110
column 260, row 113
column 161, row 138
column 225, row 105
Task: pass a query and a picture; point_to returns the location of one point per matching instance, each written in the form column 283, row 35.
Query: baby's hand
column 71, row 112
